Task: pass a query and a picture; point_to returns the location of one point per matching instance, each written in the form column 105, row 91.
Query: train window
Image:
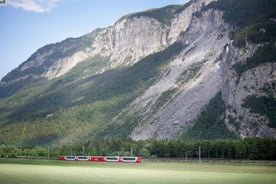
column 82, row 157
column 112, row 158
column 129, row 158
column 70, row 157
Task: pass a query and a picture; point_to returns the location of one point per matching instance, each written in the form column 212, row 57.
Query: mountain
column 203, row 70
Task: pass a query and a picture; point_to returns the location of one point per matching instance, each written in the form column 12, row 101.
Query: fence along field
column 51, row 171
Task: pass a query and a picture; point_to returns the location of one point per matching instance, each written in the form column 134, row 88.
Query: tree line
column 249, row 148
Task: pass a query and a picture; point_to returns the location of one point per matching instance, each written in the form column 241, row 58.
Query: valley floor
column 44, row 171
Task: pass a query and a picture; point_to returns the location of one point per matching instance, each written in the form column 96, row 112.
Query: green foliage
column 126, row 81
column 42, row 139
column 257, row 33
column 81, row 105
column 127, row 84
column 164, row 98
column 9, row 151
column 52, row 52
column 39, row 108
column 250, row 17
column 121, row 129
column 269, row 89
column 39, row 132
column 264, row 54
column 246, row 12
column 254, row 148
column 11, row 89
column 163, row 15
column 190, row 73
column 265, row 106
column 250, row 148
column 210, row 123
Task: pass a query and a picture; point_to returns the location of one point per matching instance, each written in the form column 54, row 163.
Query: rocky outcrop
column 131, row 42
column 182, row 21
column 236, row 89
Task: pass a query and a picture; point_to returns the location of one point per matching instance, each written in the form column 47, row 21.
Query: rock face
column 237, row 90
column 129, row 40
column 205, row 45
column 183, row 88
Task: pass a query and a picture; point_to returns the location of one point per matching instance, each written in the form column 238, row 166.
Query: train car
column 102, row 159
column 69, row 158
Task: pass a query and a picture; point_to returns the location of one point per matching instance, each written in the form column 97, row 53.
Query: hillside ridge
column 203, row 70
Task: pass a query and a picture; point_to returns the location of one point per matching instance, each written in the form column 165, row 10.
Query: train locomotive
column 102, row 159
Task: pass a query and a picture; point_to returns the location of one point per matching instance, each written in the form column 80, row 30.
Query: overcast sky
column 27, row 25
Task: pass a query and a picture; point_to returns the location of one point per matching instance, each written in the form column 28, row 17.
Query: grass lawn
column 67, row 172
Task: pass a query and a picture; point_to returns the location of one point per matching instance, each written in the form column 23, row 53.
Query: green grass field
column 67, row 172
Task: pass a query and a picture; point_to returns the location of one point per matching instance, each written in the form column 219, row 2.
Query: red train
column 102, row 158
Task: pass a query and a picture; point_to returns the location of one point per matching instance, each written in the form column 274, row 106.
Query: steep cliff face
column 131, row 42
column 258, row 81
column 164, row 73
column 195, row 76
column 182, row 20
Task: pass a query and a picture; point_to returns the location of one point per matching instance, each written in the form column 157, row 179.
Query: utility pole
column 83, row 149
column 186, row 156
column 131, row 151
column 48, row 152
column 199, row 155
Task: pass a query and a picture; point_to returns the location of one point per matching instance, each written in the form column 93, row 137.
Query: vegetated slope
column 201, row 70
column 81, row 108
